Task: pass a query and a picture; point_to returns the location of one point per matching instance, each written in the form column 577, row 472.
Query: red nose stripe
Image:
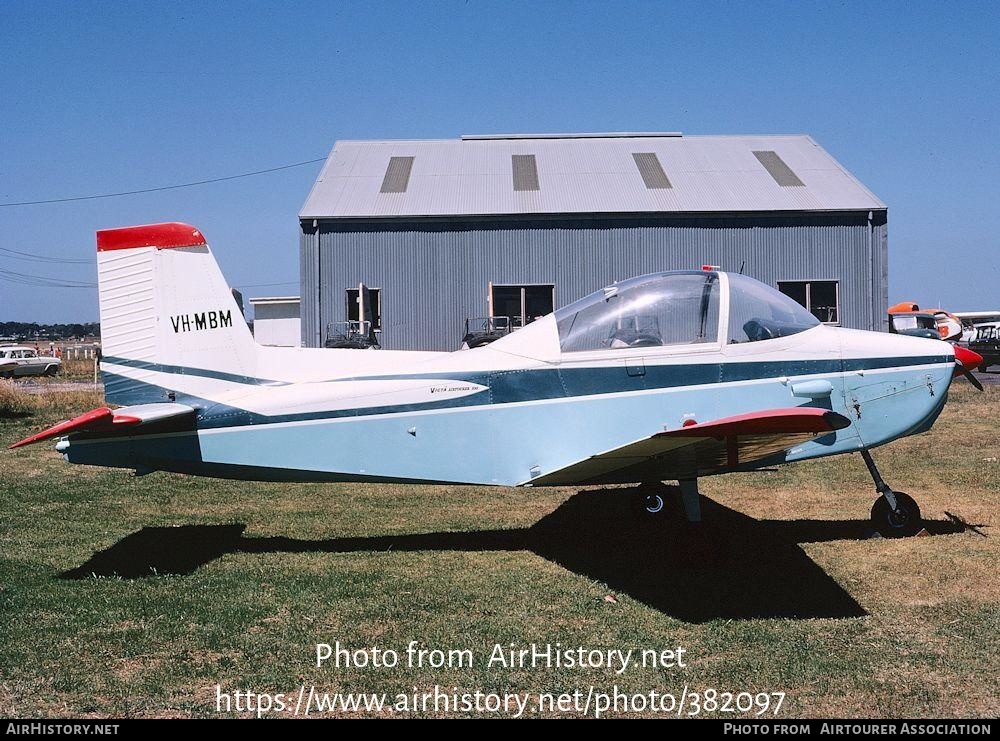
column 968, row 359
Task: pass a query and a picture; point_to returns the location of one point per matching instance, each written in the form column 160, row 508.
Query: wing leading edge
column 701, row 449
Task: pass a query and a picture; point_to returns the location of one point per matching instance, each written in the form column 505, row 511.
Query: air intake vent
column 778, row 170
column 651, row 170
column 525, row 171
column 397, row 175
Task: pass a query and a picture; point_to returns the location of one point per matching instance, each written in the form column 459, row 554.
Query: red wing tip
column 792, row 420
column 163, row 236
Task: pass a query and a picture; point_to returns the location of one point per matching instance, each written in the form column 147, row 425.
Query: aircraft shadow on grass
column 736, row 567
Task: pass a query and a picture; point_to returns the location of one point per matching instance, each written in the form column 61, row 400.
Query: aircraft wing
column 107, row 421
column 700, row 449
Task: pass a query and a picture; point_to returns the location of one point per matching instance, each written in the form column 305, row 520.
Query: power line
column 17, row 255
column 162, row 187
column 264, row 285
column 50, row 282
column 42, row 281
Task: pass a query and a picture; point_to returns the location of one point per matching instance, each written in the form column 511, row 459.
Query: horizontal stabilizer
column 106, row 419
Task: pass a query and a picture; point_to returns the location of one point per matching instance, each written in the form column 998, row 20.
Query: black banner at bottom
column 959, row 728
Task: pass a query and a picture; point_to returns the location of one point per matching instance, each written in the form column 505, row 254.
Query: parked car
column 29, row 362
column 987, row 344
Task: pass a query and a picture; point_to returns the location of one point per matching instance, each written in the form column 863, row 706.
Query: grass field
column 130, row 596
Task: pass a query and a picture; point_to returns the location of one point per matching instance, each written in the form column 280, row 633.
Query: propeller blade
column 966, row 361
column 972, row 379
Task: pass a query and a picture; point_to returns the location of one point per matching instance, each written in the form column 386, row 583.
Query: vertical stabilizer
column 166, row 310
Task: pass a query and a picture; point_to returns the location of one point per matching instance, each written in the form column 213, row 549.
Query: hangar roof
column 617, row 173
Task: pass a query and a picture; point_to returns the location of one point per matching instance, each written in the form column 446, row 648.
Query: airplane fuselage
column 509, row 414
column 666, row 376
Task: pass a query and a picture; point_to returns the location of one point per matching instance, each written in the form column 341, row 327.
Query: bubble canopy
column 678, row 308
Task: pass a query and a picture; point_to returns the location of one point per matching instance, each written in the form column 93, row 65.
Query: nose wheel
column 894, row 514
column 896, row 523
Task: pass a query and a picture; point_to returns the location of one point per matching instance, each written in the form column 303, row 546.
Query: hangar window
column 758, row 312
column 783, row 174
column 397, row 175
column 651, row 170
column 525, row 171
column 354, row 307
column 649, row 311
column 523, row 304
column 820, row 297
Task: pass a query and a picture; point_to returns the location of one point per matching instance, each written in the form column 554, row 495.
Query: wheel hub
column 898, row 518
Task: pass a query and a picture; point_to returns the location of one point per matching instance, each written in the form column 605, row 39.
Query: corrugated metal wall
column 434, row 274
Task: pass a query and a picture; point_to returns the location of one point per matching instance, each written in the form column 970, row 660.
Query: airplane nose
column 965, row 361
column 968, row 359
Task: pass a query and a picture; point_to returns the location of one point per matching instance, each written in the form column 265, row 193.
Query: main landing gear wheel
column 899, row 523
column 648, row 503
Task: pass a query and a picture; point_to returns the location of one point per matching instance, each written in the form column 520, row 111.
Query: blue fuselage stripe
column 183, row 370
column 511, row 386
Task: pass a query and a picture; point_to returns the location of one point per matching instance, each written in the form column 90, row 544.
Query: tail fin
column 167, row 314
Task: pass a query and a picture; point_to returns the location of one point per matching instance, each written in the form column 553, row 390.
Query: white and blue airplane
column 667, row 376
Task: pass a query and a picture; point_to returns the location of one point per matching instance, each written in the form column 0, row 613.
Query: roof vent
column 778, row 170
column 525, row 171
column 397, row 175
column 651, row 170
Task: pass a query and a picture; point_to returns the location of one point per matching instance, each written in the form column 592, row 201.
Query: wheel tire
column 51, row 370
column 903, row 524
column 648, row 503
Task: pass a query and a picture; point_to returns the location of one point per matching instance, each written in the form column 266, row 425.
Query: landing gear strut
column 691, row 499
column 894, row 514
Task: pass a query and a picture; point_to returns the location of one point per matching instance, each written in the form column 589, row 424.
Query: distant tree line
column 30, row 330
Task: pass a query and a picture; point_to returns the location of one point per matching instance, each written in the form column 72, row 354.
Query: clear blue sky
column 111, row 96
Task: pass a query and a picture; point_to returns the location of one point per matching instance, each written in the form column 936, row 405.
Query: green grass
column 130, row 596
